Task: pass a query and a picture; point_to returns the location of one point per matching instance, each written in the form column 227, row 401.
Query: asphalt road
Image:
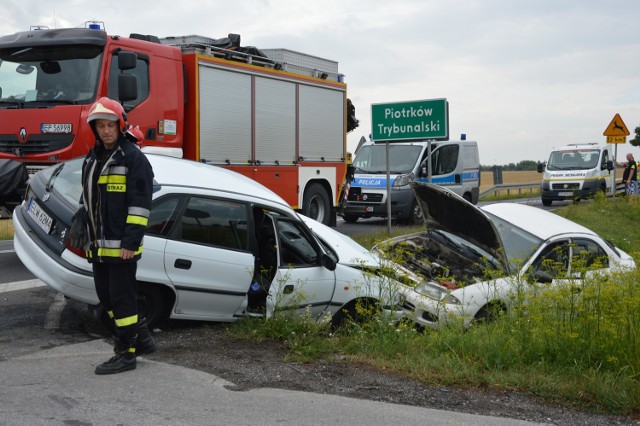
column 10, row 265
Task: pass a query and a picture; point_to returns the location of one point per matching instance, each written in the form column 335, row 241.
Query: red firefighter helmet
column 108, row 109
column 134, row 135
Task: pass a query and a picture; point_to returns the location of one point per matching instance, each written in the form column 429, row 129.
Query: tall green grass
column 6, row 229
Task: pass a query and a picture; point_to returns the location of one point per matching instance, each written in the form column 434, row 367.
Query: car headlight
column 403, row 180
column 436, row 292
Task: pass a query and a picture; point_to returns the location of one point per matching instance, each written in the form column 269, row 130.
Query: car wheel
column 603, row 190
column 490, row 312
column 546, row 202
column 151, row 304
column 356, row 311
column 316, row 204
column 415, row 215
column 350, row 218
column 467, row 197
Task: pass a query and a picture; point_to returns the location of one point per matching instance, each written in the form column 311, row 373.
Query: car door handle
column 288, row 289
column 182, row 264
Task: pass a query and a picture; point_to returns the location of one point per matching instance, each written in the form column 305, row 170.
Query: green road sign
column 426, row 119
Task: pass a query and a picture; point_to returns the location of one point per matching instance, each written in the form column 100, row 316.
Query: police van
column 577, row 171
column 454, row 165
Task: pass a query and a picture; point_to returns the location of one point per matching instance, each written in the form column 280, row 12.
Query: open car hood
column 446, row 211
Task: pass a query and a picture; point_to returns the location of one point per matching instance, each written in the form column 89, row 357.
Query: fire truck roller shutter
column 322, row 118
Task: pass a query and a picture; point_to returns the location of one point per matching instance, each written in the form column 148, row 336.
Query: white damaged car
column 470, row 261
column 218, row 246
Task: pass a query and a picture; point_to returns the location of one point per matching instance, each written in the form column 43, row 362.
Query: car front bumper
column 432, row 313
column 550, row 191
column 401, row 203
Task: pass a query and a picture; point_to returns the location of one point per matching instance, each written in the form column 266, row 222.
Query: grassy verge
column 575, row 348
column 6, row 229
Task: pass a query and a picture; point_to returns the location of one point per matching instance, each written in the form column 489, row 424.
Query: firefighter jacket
column 117, row 186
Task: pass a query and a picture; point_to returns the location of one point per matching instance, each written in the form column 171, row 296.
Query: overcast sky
column 520, row 77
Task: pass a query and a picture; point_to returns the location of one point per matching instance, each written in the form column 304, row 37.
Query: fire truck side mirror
column 127, row 87
column 127, row 60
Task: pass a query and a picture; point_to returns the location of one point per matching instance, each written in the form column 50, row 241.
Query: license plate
column 565, row 194
column 43, row 220
column 55, row 128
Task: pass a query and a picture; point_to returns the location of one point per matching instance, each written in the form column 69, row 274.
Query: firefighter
column 117, row 187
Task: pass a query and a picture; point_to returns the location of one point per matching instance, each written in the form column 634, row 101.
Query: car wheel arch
column 490, row 311
column 352, row 311
column 157, row 300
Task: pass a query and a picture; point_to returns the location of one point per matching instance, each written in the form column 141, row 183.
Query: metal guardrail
column 510, row 187
column 529, row 186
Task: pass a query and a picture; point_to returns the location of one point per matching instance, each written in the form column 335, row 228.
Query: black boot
column 146, row 343
column 121, row 361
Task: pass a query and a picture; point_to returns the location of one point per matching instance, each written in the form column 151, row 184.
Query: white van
column 577, row 171
column 454, row 164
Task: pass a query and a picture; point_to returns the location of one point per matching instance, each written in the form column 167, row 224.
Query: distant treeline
column 516, row 167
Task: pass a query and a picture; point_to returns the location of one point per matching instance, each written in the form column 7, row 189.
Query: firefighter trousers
column 116, row 287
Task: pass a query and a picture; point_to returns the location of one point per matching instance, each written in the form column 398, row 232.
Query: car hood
column 349, row 252
column 446, row 211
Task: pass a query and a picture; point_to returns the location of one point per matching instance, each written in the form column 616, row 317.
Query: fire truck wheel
column 315, row 203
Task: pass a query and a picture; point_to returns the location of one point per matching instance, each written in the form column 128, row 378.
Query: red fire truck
column 275, row 115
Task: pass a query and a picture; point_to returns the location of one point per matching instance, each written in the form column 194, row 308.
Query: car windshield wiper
column 60, row 101
column 442, row 236
column 21, row 52
column 53, row 177
column 490, row 259
column 374, row 172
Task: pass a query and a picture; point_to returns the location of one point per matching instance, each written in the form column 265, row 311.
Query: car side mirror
column 328, row 262
column 608, row 165
column 541, row 167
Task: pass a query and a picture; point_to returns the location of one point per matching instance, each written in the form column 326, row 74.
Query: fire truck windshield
column 50, row 74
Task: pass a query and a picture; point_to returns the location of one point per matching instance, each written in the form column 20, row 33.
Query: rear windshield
column 64, row 179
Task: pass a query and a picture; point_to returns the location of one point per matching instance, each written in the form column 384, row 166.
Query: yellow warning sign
column 617, row 127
